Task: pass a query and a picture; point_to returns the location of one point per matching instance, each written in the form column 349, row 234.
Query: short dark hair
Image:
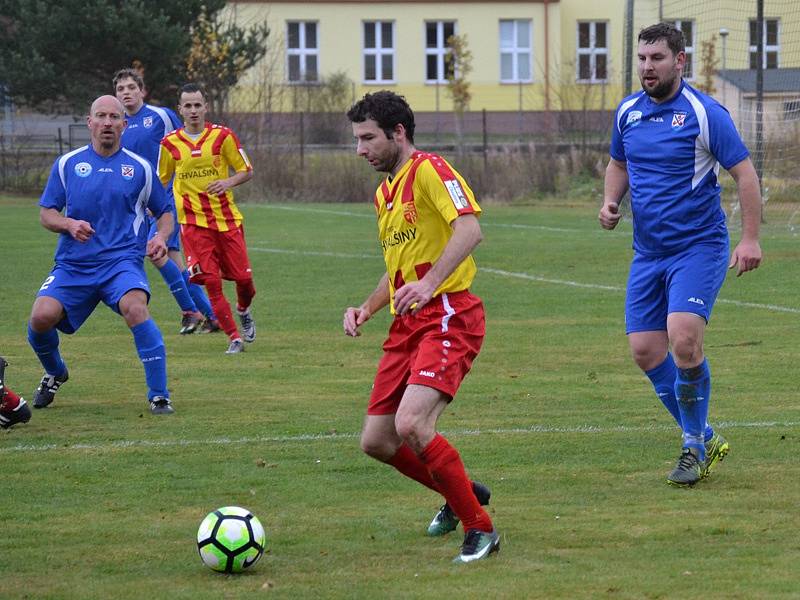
column 190, row 88
column 387, row 109
column 128, row 73
column 664, row 31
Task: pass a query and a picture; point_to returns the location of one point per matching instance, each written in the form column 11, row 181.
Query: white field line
column 529, row 277
column 327, row 437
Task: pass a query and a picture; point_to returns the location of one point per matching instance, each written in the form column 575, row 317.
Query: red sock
column 411, row 466
column 245, row 291
column 221, row 308
column 10, row 399
column 447, row 470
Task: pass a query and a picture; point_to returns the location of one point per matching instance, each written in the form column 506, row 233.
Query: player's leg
column 235, row 266
column 124, row 294
column 171, row 274
column 203, row 258
column 696, row 277
column 13, row 409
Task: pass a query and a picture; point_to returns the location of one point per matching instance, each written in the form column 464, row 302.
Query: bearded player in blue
column 96, row 199
column 147, row 125
column 667, row 144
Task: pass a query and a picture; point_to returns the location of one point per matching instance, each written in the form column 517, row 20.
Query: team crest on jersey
column 634, row 118
column 410, row 212
column 147, row 121
column 678, row 119
column 217, row 161
column 127, row 171
column 83, row 169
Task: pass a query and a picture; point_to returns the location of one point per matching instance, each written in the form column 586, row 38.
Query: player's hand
column 609, row 215
column 353, row 319
column 414, row 294
column 79, row 230
column 156, row 247
column 218, row 187
column 746, row 256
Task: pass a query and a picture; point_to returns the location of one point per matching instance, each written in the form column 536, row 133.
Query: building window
column 516, row 51
column 772, row 43
column 687, row 27
column 592, row 52
column 302, row 52
column 437, row 47
column 378, row 52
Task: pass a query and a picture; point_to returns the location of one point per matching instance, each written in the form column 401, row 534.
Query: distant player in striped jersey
column 13, row 408
column 667, row 144
column 428, row 227
column 201, row 156
column 147, row 126
column 95, row 199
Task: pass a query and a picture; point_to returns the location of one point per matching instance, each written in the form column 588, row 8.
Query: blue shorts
column 79, row 290
column 688, row 281
column 174, row 240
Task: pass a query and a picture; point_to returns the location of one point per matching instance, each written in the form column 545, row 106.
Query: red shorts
column 434, row 348
column 215, row 252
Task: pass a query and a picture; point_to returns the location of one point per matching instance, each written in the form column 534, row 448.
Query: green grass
column 101, row 500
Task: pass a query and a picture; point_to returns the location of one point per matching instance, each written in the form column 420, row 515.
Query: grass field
column 100, row 500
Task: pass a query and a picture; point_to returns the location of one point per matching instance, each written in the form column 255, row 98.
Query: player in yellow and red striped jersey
column 428, row 226
column 201, row 156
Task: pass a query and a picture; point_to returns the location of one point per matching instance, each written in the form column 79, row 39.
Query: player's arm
column 157, row 245
column 53, row 220
column 354, row 317
column 237, row 158
column 614, row 188
column 747, row 254
column 466, row 236
column 221, row 185
column 166, row 162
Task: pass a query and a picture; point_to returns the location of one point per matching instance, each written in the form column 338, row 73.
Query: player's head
column 106, row 122
column 192, row 106
column 383, row 125
column 129, row 89
column 662, row 55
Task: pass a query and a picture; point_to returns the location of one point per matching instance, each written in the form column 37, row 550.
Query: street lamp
column 723, row 33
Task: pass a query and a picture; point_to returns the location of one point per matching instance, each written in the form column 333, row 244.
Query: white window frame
column 679, row 25
column 515, row 50
column 776, row 48
column 378, row 52
column 302, row 51
column 592, row 51
column 440, row 51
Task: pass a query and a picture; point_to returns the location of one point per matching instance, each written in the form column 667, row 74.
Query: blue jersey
column 673, row 151
column 146, row 129
column 111, row 194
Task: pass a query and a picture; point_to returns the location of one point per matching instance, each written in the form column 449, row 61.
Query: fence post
column 60, row 143
column 302, row 140
column 485, row 142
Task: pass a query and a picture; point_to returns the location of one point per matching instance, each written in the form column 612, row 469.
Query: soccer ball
column 230, row 539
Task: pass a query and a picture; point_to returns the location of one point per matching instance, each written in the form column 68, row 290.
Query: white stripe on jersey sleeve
column 144, row 194
column 621, row 111
column 63, row 161
column 169, row 126
column 704, row 161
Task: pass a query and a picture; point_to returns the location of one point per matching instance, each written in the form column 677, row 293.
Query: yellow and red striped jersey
column 195, row 164
column 415, row 209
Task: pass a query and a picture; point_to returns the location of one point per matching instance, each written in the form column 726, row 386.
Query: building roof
column 775, row 80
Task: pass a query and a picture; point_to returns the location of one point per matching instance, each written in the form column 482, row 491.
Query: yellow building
column 537, row 55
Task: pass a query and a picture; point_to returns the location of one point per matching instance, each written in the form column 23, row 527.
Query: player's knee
column 687, row 349
column 159, row 262
column 647, row 358
column 375, row 447
column 135, row 313
column 41, row 321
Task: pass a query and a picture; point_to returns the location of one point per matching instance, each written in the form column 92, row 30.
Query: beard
column 661, row 90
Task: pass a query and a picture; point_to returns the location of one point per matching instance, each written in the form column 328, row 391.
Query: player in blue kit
column 147, row 125
column 667, row 144
column 96, row 198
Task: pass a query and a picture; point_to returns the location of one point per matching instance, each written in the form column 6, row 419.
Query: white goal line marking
column 528, row 277
column 310, row 437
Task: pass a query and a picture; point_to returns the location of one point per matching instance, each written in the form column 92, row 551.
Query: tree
column 59, row 56
column 220, row 53
column 708, row 65
column 458, row 62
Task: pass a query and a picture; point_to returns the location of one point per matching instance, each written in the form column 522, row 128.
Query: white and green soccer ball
column 230, row 539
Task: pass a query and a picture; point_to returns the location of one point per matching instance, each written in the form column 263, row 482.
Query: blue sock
column 150, row 346
column 663, row 379
column 45, row 345
column 174, row 280
column 693, row 390
column 199, row 296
